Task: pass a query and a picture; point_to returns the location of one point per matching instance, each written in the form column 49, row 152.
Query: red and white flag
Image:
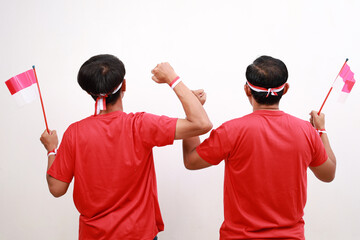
column 23, row 87
column 346, row 85
column 348, row 82
column 348, row 77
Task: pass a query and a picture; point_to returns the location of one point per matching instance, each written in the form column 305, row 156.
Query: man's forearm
column 328, row 149
column 195, row 113
column 193, row 109
column 189, row 145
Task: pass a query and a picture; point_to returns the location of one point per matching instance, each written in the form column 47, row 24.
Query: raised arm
column 50, row 142
column 326, row 171
column 192, row 160
column 196, row 121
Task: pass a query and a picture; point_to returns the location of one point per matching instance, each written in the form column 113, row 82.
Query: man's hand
column 50, row 141
column 163, row 73
column 318, row 121
column 201, row 95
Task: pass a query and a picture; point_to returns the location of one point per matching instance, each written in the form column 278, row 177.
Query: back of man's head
column 267, row 72
column 101, row 75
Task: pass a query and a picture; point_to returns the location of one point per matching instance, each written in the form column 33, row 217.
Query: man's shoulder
column 253, row 119
column 240, row 120
column 85, row 122
column 297, row 119
column 235, row 124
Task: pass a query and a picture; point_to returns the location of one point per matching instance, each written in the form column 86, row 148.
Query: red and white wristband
column 175, row 82
column 321, row 131
column 52, row 152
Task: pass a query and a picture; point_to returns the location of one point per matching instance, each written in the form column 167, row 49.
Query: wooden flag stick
column 42, row 103
column 332, row 87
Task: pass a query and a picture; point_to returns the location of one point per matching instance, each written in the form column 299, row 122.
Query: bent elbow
column 205, row 127
column 56, row 193
column 209, row 126
column 56, row 187
column 329, row 178
column 188, row 163
column 189, row 166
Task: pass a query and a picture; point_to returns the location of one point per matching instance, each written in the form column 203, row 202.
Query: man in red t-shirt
column 266, row 156
column 110, row 155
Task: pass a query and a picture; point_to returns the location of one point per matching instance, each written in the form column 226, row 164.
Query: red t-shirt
column 266, row 154
column 110, row 156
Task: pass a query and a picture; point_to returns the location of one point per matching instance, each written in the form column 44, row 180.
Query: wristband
column 175, row 82
column 52, row 152
column 321, row 131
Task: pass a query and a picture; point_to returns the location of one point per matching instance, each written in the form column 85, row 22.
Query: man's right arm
column 196, row 121
column 56, row 187
column 326, row 171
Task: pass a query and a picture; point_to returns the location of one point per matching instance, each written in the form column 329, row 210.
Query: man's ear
column 247, row 90
column 123, row 86
column 286, row 88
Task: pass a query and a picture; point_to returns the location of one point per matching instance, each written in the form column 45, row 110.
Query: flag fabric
column 23, row 87
column 348, row 77
column 345, row 86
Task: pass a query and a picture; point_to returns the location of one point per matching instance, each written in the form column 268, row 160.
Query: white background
column 210, row 44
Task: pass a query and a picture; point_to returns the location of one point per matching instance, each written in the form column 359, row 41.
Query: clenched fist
column 50, row 141
column 318, row 121
column 163, row 73
column 201, row 95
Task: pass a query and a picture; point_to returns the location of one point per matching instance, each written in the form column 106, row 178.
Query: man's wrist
column 171, row 77
column 321, row 131
column 174, row 82
column 52, row 152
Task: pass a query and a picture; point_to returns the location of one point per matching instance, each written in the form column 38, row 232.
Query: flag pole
column 332, row 87
column 42, row 103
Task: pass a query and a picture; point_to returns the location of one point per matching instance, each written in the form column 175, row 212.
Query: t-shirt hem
column 204, row 158
column 172, row 138
column 56, row 176
column 320, row 163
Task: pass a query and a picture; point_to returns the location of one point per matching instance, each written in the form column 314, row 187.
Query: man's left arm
column 192, row 159
column 50, row 141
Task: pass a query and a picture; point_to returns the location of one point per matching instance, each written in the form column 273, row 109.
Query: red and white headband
column 273, row 91
column 100, row 103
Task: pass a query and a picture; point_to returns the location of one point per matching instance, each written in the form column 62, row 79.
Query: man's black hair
column 102, row 74
column 267, row 72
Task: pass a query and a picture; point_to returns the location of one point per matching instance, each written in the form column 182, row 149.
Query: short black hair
column 267, row 72
column 102, row 74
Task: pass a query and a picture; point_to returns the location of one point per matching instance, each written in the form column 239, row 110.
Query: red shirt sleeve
column 156, row 130
column 215, row 148
column 319, row 155
column 63, row 166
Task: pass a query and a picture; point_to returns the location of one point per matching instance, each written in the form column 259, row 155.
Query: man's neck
column 117, row 106
column 274, row 107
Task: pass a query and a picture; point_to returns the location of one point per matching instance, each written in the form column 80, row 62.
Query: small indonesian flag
column 23, row 87
column 348, row 80
column 348, row 77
